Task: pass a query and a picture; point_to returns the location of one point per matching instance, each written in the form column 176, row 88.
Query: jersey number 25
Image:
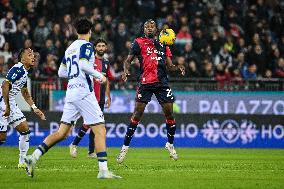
column 71, row 62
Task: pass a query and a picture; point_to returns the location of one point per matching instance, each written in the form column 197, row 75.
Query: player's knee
column 2, row 139
column 61, row 135
column 134, row 121
column 169, row 115
column 100, row 132
column 168, row 112
column 137, row 116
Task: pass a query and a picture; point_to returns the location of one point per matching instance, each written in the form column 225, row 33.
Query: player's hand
column 39, row 113
column 7, row 112
column 103, row 80
column 108, row 102
column 182, row 69
column 124, row 75
column 163, row 31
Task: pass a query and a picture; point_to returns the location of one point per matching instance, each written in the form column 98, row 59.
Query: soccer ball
column 167, row 37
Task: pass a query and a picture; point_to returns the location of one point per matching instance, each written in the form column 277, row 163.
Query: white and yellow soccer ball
column 167, row 37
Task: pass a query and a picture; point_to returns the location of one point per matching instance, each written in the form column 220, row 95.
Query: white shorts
column 15, row 118
column 88, row 108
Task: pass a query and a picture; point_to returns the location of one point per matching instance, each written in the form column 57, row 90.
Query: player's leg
column 18, row 121
column 81, row 133
column 91, row 152
column 166, row 99
column 94, row 118
column 73, row 146
column 170, row 121
column 100, row 145
column 24, row 142
column 134, row 121
column 48, row 142
column 69, row 117
column 143, row 96
column 52, row 139
column 3, row 128
column 3, row 135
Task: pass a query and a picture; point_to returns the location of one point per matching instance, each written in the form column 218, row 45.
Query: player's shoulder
column 17, row 68
column 140, row 39
column 105, row 60
column 79, row 44
column 84, row 44
column 140, row 42
column 16, row 72
column 86, row 50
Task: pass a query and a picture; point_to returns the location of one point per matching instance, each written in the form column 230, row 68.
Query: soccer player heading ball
column 155, row 59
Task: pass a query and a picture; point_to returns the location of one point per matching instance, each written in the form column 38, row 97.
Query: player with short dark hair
column 16, row 81
column 77, row 66
column 102, row 92
column 155, row 59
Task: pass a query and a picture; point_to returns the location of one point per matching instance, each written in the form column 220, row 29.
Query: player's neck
column 84, row 37
column 26, row 66
column 98, row 56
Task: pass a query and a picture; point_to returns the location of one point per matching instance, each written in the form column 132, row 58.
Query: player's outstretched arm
column 88, row 68
column 126, row 66
column 5, row 92
column 172, row 67
column 29, row 100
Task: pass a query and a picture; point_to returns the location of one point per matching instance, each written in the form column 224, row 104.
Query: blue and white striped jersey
column 80, row 84
column 17, row 77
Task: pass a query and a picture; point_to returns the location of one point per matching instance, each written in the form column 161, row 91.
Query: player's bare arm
column 172, row 67
column 29, row 100
column 5, row 92
column 108, row 101
column 127, row 64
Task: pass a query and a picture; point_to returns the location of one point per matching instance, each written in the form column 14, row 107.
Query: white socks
column 37, row 153
column 23, row 147
column 103, row 166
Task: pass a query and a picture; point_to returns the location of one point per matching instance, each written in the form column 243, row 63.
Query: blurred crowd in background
column 216, row 39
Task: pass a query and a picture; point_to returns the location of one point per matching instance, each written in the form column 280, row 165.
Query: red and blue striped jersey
column 152, row 56
column 102, row 66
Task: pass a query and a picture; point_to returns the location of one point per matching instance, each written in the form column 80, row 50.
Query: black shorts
column 162, row 92
column 102, row 106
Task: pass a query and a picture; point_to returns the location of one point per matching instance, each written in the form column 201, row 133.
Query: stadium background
column 231, row 95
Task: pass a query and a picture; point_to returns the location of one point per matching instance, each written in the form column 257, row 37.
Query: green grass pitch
column 150, row 169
